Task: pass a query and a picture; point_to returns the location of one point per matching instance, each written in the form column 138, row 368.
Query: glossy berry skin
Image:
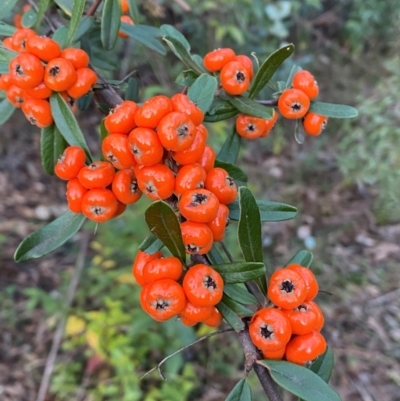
column 293, row 104
column 207, row 159
column 99, row 205
column 196, row 149
column 308, row 276
column 124, row 6
column 99, row 174
column 176, row 131
column 125, row 187
column 86, row 78
column 197, row 237
column 16, row 96
column 157, row 182
column 127, row 20
column 70, row 163
column 269, row 329
column 247, row 63
column 20, row 37
column 275, row 355
column 314, row 124
column 142, row 258
column 8, row 44
column 121, row 118
column 43, row 47
column 75, row 193
column 320, row 316
column 183, row 104
column 59, row 74
column 26, row 71
column 303, row 349
column 235, row 78
column 269, row 124
column 215, row 319
column 165, row 299
column 214, row 61
column 286, row 289
column 152, row 111
column 145, row 146
column 203, row 285
column 196, row 314
column 5, row 82
column 250, row 127
column 187, row 322
column 78, row 57
column 38, row 112
column 190, row 176
column 306, row 82
column 158, row 269
column 219, row 223
column 303, row 319
column 221, row 185
column 198, row 205
column 39, row 92
column 116, row 149
column 120, row 209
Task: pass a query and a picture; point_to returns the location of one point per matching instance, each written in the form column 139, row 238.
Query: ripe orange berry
column 219, row 223
column 293, row 103
column 86, row 78
column 183, row 104
column 176, row 131
column 70, row 163
column 128, row 20
column 26, row 71
column 38, row 112
column 187, row 322
column 121, row 118
column 306, row 82
column 223, row 186
column 286, row 289
column 120, row 209
column 99, row 174
column 78, row 57
column 207, row 159
column 124, row 6
column 157, row 182
column 117, row 151
column 203, row 285
column 190, row 176
column 235, row 78
column 5, row 82
column 99, row 205
column 158, row 269
column 8, row 44
column 198, row 205
column 59, row 74
column 20, row 37
column 269, row 124
column 308, row 276
column 145, row 146
column 269, row 329
column 125, row 187
column 18, row 21
column 165, row 299
column 43, row 47
column 39, row 92
column 75, row 193
column 197, row 237
column 215, row 60
column 250, row 127
column 16, row 96
column 246, row 62
column 196, row 314
column 215, row 319
column 142, row 258
column 276, row 355
column 303, row 319
column 320, row 316
column 314, row 124
column 303, row 349
column 152, row 111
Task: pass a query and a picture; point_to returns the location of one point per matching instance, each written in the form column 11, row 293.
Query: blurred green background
column 345, row 183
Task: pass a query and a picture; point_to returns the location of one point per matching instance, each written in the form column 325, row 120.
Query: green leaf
column 235, row 172
column 42, row 8
column 303, row 258
column 85, row 101
column 6, row 111
column 67, row 124
column 110, row 23
column 83, row 28
column 7, row 55
column 202, row 91
column 268, row 68
column 230, row 149
column 6, row 30
column 60, row 36
column 65, row 5
column 186, row 78
column 220, row 116
column 221, row 106
column 183, row 54
column 163, row 223
column 4, row 68
column 29, row 18
column 323, row 365
column 249, row 232
column 52, row 145
column 241, row 392
column 239, row 294
column 237, row 307
column 146, row 35
column 300, row 381
column 169, row 30
column 50, row 237
column 240, row 272
column 333, row 110
column 6, row 7
column 230, row 316
column 133, row 11
column 250, row 107
column 151, row 244
column 214, row 256
column 132, row 91
column 269, row 211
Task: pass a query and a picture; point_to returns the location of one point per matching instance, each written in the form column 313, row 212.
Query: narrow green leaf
column 269, row 211
column 163, row 223
column 6, row 30
column 146, row 35
column 214, row 256
column 202, row 91
column 4, row 68
column 60, row 36
column 235, row 172
column 52, row 145
column 230, row 149
column 85, row 24
column 7, row 55
column 134, row 12
column 6, row 111
column 65, row 5
column 220, row 106
column 323, row 365
column 29, row 18
column 67, row 124
column 268, row 68
column 333, row 110
column 240, row 272
column 6, row 7
column 239, row 294
column 151, row 244
column 110, row 23
column 50, row 237
column 303, row 258
column 300, row 381
column 169, row 30
column 237, row 307
column 250, row 107
column 220, row 116
column 85, row 101
column 241, row 392
column 132, row 91
column 230, row 316
column 186, row 78
column 42, row 8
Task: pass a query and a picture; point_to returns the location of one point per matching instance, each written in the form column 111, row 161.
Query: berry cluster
column 125, row 18
column 291, row 329
column 170, row 291
column 40, row 68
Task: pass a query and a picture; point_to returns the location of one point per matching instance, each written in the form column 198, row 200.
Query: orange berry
column 8, row 44
column 39, row 92
column 269, row 124
column 18, row 21
column 60, row 74
column 20, row 37
column 235, row 78
column 190, row 176
column 128, row 20
column 320, row 316
column 219, row 223
column 303, row 349
column 308, row 276
column 276, row 355
column 125, row 187
column 247, row 63
column 158, row 269
column 314, row 124
column 142, row 258
column 196, row 149
column 121, row 118
column 26, row 71
column 306, row 82
column 293, row 103
column 157, row 182
column 70, row 163
column 124, row 6
column 152, row 111
column 86, row 78
column 215, row 60
column 250, row 127
column 5, row 82
column 196, row 314
column 223, row 186
column 75, row 193
column 303, row 319
column 117, row 151
column 99, row 205
column 99, row 174
column 215, row 319
column 78, row 57
column 145, row 146
column 43, row 47
column 198, row 205
column 16, row 96
column 207, row 159
column 197, row 237
column 183, row 104
column 38, row 112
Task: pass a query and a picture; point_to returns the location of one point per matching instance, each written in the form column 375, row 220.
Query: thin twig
column 80, row 263
column 227, row 253
column 180, row 350
column 196, row 258
column 36, row 8
column 272, row 102
column 93, row 8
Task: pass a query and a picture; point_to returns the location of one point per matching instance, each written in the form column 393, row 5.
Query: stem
column 93, row 8
column 272, row 102
column 227, row 253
